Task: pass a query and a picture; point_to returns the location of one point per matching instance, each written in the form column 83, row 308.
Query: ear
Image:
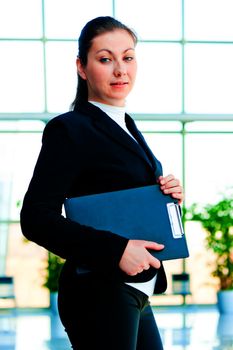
column 80, row 69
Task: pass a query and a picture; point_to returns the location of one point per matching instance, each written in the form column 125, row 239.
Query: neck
column 109, row 108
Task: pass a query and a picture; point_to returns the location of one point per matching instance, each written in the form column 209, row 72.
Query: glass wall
column 19, row 147
column 182, row 102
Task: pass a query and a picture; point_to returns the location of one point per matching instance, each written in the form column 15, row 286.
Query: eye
column 104, row 59
column 129, row 58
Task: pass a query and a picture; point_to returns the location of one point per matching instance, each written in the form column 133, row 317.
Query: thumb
column 153, row 245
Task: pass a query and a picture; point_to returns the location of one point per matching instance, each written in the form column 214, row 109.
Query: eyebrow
column 110, row 52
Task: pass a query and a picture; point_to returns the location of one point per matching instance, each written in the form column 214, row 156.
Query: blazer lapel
column 104, row 123
column 138, row 135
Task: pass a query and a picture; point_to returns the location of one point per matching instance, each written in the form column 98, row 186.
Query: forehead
column 116, row 40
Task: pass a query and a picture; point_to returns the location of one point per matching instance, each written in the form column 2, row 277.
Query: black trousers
column 100, row 314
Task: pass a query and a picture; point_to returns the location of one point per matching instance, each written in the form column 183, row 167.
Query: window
column 182, row 102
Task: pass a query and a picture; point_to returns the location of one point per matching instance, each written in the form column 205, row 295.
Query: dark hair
column 93, row 28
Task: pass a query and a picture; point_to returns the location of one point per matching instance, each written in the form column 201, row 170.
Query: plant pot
column 225, row 301
column 53, row 302
column 224, row 328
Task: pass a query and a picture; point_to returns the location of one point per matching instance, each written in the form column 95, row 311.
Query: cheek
column 100, row 75
column 133, row 71
column 94, row 77
column 133, row 74
column 99, row 80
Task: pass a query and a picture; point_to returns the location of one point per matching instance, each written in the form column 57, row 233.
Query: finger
column 171, row 184
column 154, row 262
column 132, row 273
column 140, row 270
column 178, row 196
column 166, row 179
column 175, row 189
column 160, row 178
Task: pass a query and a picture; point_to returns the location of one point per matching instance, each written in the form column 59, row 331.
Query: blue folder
column 137, row 213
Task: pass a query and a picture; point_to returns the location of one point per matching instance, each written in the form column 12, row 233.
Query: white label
column 175, row 220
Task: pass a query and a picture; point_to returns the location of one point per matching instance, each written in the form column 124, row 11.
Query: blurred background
column 182, row 101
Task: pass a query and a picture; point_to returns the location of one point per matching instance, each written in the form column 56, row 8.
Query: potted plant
column 217, row 221
column 53, row 268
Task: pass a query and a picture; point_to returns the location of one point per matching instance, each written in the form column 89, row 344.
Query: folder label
column 175, row 220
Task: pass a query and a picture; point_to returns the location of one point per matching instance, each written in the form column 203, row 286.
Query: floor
column 181, row 328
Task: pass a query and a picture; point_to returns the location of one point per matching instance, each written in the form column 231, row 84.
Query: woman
column 107, row 279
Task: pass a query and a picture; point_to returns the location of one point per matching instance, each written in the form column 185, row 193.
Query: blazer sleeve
column 41, row 215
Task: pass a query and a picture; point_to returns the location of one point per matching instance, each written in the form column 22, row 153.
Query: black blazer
column 86, row 152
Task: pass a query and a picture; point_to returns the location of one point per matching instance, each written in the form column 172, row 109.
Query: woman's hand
column 170, row 185
column 136, row 257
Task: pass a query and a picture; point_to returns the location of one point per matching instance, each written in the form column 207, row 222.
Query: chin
column 120, row 99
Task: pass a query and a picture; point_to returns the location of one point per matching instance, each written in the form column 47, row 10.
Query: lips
column 119, row 83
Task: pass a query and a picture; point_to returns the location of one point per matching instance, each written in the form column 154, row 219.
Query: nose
column 119, row 69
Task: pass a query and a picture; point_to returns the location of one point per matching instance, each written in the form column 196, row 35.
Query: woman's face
column 111, row 67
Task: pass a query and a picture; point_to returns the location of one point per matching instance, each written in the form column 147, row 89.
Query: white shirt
column 118, row 115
